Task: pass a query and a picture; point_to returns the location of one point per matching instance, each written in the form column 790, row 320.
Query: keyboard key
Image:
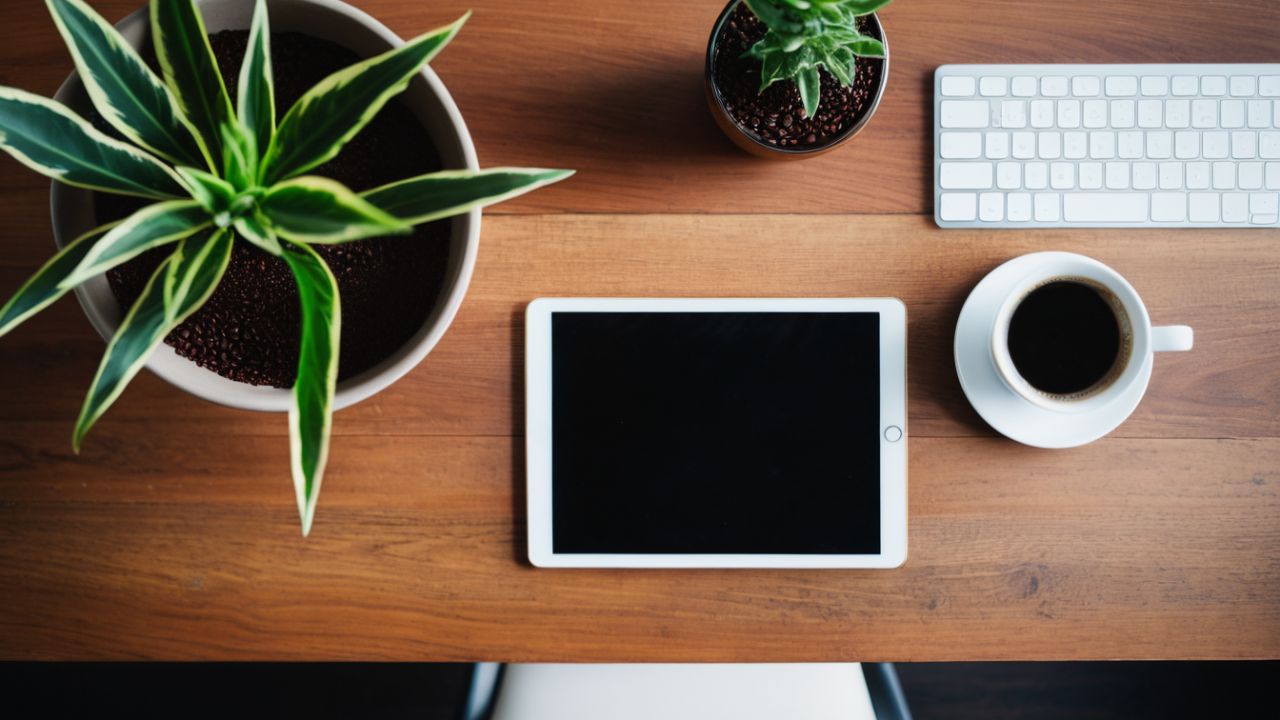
column 1013, row 114
column 1155, row 85
column 1262, row 203
column 1149, row 113
column 1122, row 113
column 1186, row 144
column 1269, row 145
column 1095, row 113
column 1203, row 207
column 958, row 207
column 1213, row 145
column 1024, row 145
column 993, row 86
column 1198, row 175
column 1062, row 175
column 1131, row 144
column 1249, row 176
column 1269, row 86
column 1091, row 175
column 1263, row 220
column 1085, row 86
column 1244, row 145
column 1184, row 85
column 965, row 175
column 1050, row 145
column 1170, row 176
column 1023, row 86
column 997, row 145
column 1008, row 175
column 1053, row 86
column 1047, row 207
column 962, row 145
column 1035, row 176
column 965, row 114
column 958, row 86
column 1068, row 113
column 1273, row 175
column 1232, row 113
column 1259, row 113
column 1117, row 176
column 1213, row 85
column 1204, row 113
column 1276, row 114
column 1243, row 85
column 1159, row 144
column 1075, row 145
column 1177, row 113
column 1102, row 145
column 1041, row 113
column 1122, row 86
column 1019, row 206
column 1235, row 207
column 1105, row 207
column 1168, row 207
column 1224, row 176
column 1144, row 176
column 991, row 207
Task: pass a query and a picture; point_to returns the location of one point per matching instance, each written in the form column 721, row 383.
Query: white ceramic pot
column 426, row 96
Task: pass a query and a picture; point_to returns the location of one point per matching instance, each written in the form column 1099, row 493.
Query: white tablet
column 676, row 433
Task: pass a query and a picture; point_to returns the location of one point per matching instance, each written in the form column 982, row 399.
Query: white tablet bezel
column 893, row 414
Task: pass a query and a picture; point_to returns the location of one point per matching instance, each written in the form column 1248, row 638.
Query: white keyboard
column 1107, row 145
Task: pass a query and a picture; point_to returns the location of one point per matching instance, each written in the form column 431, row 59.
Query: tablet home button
column 893, row 433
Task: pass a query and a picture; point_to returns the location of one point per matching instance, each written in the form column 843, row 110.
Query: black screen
column 716, row 433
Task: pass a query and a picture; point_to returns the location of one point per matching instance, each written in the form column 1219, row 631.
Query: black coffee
column 1064, row 337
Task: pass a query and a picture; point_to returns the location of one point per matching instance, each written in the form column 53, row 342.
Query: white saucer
column 1002, row 408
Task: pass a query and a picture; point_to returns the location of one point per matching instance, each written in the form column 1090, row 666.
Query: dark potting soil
column 777, row 116
column 249, row 329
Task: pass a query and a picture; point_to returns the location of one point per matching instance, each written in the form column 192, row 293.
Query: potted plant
column 232, row 203
column 788, row 79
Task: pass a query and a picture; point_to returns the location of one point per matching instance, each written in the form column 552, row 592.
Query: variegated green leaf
column 331, row 113
column 810, row 85
column 775, row 18
column 253, row 227
column 864, row 7
column 451, row 192
column 125, row 91
column 311, row 415
column 213, row 193
column 189, row 68
column 317, row 210
column 255, row 102
column 47, row 137
column 867, row 47
column 43, row 288
column 238, row 158
column 177, row 289
column 150, row 227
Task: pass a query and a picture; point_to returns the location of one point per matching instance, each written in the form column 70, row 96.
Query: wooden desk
column 175, row 534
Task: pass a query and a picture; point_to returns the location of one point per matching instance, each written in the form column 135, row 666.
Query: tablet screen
column 715, row 432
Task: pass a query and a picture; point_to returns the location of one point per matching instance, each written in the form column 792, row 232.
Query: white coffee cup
column 1138, row 339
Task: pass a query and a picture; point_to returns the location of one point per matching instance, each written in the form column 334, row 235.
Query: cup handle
column 1172, row 338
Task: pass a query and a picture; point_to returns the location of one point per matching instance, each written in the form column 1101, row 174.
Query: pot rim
column 852, row 130
column 464, row 237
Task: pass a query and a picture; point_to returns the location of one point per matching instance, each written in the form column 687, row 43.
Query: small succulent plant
column 804, row 35
column 218, row 172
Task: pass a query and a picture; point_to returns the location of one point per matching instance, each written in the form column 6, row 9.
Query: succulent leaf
column 255, row 101
column 150, row 227
column 255, row 228
column 452, row 192
column 213, row 193
column 177, row 289
column 190, row 70
column 317, row 210
column 311, row 415
column 45, row 286
column 317, row 127
column 47, row 137
column 124, row 90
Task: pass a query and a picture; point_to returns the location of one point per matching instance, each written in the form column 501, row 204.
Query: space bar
column 1104, row 207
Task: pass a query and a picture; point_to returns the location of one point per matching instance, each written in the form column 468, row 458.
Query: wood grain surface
column 174, row 534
